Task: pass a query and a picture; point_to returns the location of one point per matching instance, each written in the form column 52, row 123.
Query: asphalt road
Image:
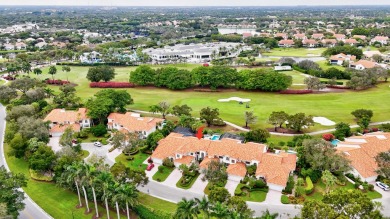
column 32, row 210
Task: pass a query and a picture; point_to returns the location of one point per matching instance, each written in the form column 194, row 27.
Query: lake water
column 236, row 30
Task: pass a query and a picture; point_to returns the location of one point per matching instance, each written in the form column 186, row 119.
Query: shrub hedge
column 309, row 186
column 284, row 199
column 111, row 84
column 145, row 212
column 296, row 91
column 289, row 186
column 58, row 82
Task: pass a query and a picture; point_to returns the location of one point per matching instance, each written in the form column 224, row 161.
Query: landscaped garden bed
column 162, row 174
column 252, row 190
column 186, row 181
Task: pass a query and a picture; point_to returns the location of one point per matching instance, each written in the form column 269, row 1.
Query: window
column 233, row 161
column 192, row 153
column 227, row 158
column 247, row 162
column 220, row 157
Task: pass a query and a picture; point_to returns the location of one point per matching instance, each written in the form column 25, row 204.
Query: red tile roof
column 237, row 169
column 362, row 154
column 133, row 123
column 64, row 116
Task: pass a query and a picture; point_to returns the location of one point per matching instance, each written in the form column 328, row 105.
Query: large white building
column 194, row 53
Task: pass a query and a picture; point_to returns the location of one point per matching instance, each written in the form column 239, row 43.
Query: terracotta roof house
column 362, row 64
column 361, row 151
column 351, row 42
column 339, row 37
column 340, row 58
column 274, row 168
column 286, row 43
column 300, row 36
column 283, row 35
column 317, row 36
column 310, row 43
column 362, row 37
column 60, row 119
column 328, row 42
column 133, row 122
column 265, row 34
column 58, row 44
column 382, row 39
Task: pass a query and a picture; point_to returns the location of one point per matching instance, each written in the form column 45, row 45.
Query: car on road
column 150, row 167
column 97, row 144
column 383, row 186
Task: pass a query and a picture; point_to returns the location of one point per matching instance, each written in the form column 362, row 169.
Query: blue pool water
column 335, row 142
column 215, row 137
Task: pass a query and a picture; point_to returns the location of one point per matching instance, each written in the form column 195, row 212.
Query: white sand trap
column 323, row 121
column 238, row 99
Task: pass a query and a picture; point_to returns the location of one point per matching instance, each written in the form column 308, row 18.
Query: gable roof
column 288, row 42
column 134, row 123
column 275, row 168
column 365, row 63
column 342, row 57
column 62, row 115
column 361, row 151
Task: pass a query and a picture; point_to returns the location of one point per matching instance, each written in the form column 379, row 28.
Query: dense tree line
column 213, row 77
column 349, row 50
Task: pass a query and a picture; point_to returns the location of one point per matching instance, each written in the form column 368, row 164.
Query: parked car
column 97, row 144
column 383, row 186
column 150, row 167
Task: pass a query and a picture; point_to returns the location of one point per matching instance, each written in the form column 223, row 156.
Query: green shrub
column 161, row 169
column 145, row 212
column 289, row 186
column 370, row 187
column 309, row 186
column 284, row 199
column 111, row 149
column 168, row 163
column 357, row 184
column 104, row 142
column 130, row 158
column 99, row 130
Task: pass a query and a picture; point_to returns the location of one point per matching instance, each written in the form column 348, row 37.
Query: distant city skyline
column 192, row 2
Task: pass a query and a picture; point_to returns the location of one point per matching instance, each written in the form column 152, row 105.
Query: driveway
column 150, row 173
column 172, row 178
column 231, row 186
column 199, row 185
column 273, row 197
column 385, row 200
column 54, row 143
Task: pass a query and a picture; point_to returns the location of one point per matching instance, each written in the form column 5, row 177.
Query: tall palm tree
column 186, row 209
column 105, row 179
column 204, row 206
column 74, row 173
column 126, row 193
column 88, row 180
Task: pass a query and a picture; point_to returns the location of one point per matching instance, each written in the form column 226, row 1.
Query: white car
column 97, row 144
column 383, row 186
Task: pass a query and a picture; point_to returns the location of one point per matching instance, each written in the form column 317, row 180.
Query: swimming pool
column 334, row 142
column 215, row 137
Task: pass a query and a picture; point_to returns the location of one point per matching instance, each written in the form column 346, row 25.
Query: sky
column 194, row 2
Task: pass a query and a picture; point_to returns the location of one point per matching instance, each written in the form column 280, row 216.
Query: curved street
column 32, row 210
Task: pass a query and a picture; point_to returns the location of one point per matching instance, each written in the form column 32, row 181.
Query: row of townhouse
column 341, row 58
column 60, row 119
column 273, row 168
column 362, row 150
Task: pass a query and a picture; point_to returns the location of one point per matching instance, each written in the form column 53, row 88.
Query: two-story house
column 60, row 119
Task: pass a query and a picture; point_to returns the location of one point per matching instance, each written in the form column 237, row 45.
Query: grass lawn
column 254, row 196
column 157, row 203
column 188, row 186
column 297, row 52
column 325, row 65
column 2, row 82
column 319, row 189
column 298, row 77
column 162, row 176
column 137, row 163
column 58, row 202
column 335, row 106
column 85, row 154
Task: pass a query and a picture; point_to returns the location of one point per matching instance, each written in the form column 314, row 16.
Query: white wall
column 275, row 187
column 235, row 178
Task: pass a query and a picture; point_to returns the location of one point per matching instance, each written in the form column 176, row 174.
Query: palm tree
column 186, row 209
column 220, row 210
column 204, row 206
column 105, row 179
column 267, row 215
column 87, row 180
column 73, row 173
column 126, row 193
column 66, row 69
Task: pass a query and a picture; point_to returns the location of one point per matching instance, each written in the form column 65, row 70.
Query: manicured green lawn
column 137, row 163
column 325, row 65
column 85, row 154
column 2, row 82
column 335, row 106
column 179, row 185
column 58, row 202
column 254, row 196
column 297, row 52
column 298, row 77
column 157, row 203
column 319, row 189
column 162, row 176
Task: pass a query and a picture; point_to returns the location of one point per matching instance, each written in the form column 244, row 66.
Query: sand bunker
column 323, row 121
column 238, row 99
